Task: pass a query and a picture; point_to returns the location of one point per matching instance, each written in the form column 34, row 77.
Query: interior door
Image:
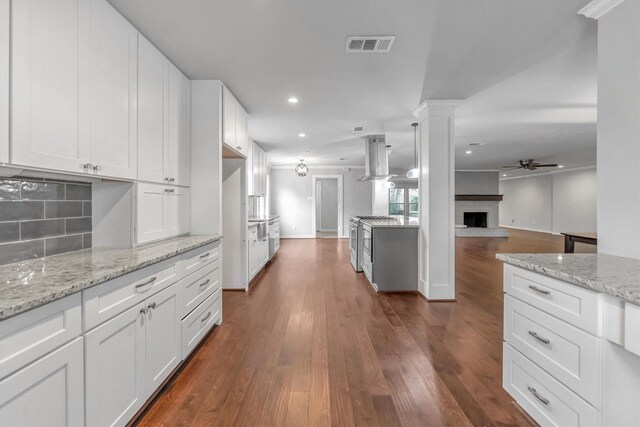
column 163, row 350
column 114, row 371
column 108, row 89
column 44, row 87
column 152, row 101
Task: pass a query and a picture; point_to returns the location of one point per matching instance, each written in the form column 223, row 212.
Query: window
column 404, row 201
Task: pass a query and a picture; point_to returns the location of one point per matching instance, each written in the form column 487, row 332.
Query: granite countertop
column 608, row 274
column 396, row 222
column 30, row 284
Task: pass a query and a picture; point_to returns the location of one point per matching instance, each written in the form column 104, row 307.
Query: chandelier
column 302, row 169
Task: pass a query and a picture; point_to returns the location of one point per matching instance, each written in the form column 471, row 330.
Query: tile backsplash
column 41, row 217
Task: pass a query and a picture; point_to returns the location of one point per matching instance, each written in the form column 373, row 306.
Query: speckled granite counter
column 30, row 284
column 395, row 222
column 608, row 274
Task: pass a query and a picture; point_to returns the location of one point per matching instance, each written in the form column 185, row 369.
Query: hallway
column 312, row 344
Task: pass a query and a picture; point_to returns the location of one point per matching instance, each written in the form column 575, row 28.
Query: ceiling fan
column 529, row 164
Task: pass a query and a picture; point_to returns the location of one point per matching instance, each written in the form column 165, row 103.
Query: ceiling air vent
column 374, row 44
column 358, row 128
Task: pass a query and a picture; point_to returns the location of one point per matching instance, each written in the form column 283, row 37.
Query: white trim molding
column 314, row 180
column 598, row 8
column 293, row 165
column 434, row 104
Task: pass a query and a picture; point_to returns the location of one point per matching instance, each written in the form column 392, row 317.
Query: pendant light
column 301, row 168
column 415, row 172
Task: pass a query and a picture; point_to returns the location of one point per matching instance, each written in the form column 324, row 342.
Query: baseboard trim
column 304, row 236
column 527, row 229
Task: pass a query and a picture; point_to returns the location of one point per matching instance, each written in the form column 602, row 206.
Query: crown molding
column 553, row 172
column 434, row 104
column 293, row 165
column 598, row 8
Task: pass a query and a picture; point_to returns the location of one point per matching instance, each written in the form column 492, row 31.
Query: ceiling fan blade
column 547, row 166
column 510, row 168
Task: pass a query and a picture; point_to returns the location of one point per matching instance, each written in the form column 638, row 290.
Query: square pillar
column 436, row 157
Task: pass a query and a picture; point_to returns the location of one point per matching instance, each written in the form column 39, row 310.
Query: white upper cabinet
column 44, row 92
column 163, row 118
column 73, row 89
column 179, row 120
column 162, row 211
column 153, row 70
column 258, row 171
column 5, row 39
column 234, row 123
column 108, row 89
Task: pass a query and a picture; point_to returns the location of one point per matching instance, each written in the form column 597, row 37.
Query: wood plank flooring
column 312, row 344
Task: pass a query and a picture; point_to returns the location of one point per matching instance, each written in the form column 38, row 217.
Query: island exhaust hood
column 376, row 158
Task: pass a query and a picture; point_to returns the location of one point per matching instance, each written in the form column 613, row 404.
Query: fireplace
column 475, row 219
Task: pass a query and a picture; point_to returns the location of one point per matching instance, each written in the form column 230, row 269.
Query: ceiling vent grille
column 374, row 44
column 358, row 129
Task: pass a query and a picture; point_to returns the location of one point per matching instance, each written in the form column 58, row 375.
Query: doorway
column 327, row 206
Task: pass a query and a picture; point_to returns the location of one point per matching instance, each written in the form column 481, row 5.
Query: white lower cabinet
column 48, row 392
column 115, row 368
column 200, row 321
column 129, row 357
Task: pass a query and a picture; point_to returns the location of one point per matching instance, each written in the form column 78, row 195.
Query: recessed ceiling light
column 504, row 174
column 560, row 166
column 302, row 135
column 293, row 100
column 468, row 152
column 343, row 158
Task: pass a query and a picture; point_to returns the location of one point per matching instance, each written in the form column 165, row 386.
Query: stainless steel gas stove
column 356, row 238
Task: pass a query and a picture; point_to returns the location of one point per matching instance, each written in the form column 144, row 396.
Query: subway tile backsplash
column 41, row 217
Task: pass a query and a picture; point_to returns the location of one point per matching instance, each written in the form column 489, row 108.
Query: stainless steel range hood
column 376, row 158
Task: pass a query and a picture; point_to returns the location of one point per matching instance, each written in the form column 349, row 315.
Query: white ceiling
column 525, row 68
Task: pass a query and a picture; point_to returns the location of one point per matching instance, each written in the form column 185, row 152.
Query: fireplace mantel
column 478, row 197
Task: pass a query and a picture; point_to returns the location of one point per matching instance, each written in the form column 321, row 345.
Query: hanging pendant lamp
column 302, row 169
column 415, row 172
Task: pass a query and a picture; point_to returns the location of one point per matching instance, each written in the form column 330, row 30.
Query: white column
column 618, row 157
column 436, row 187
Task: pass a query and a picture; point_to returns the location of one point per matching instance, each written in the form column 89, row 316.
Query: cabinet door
column 177, row 211
column 241, row 130
column 249, row 165
column 44, row 91
column 163, row 349
column 228, row 118
column 256, row 168
column 151, row 218
column 47, row 392
column 5, row 37
column 152, row 100
column 177, row 144
column 114, row 368
column 108, row 89
column 253, row 258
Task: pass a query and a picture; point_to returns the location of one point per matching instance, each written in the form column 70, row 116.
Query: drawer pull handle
column 538, row 290
column 539, row 338
column 152, row 305
column 206, row 317
column 537, row 395
column 205, row 255
column 148, row 282
column 205, row 283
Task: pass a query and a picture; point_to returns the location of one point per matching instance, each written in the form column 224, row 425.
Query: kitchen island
column 390, row 253
column 572, row 337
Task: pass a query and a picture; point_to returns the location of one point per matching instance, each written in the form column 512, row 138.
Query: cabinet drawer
column 31, row 335
column 569, row 354
column 198, row 286
column 108, row 299
column 196, row 325
column 253, row 233
column 573, row 304
column 545, row 399
column 194, row 260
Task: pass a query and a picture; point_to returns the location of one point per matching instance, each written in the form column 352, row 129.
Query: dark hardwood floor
column 312, row 344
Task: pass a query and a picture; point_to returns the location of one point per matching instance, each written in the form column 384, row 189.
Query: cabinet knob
column 172, row 179
column 152, row 305
column 143, row 310
column 169, row 190
column 87, row 166
column 97, row 167
column 238, row 148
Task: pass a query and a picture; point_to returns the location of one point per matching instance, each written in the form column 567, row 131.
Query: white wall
column 619, row 131
column 328, row 204
column 291, row 198
column 551, row 203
